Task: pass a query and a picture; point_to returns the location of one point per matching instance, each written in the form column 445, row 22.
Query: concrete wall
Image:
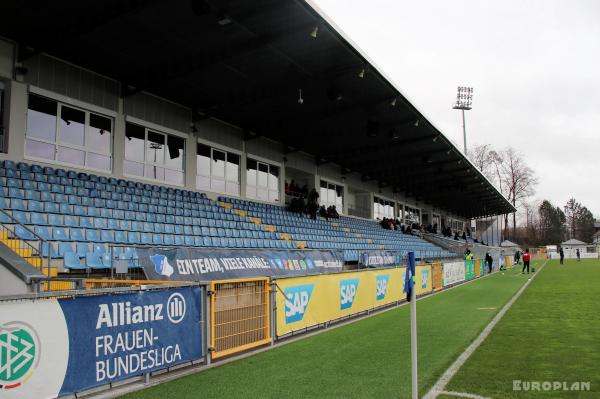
column 11, row 284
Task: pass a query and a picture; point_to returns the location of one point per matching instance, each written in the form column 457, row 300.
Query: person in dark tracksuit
column 562, row 256
column 578, row 255
column 489, row 261
column 526, row 260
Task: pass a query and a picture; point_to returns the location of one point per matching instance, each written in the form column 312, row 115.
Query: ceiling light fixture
column 417, row 123
column 361, row 74
column 448, row 152
column 300, row 99
column 393, row 103
column 436, row 138
column 314, row 32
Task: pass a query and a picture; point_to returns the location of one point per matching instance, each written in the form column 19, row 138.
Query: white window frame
column 412, row 208
column 269, row 163
column 149, row 126
column 339, row 207
column 227, row 151
column 87, row 109
column 381, row 216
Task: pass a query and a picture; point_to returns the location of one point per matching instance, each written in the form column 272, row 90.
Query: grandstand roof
column 244, row 62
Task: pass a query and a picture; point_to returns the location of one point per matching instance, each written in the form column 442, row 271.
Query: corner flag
column 409, row 276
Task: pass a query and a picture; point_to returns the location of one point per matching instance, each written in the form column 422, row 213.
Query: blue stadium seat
column 43, row 232
column 82, row 248
column 21, row 216
column 17, row 204
column 86, row 222
column 24, row 234
column 71, row 261
column 107, row 236
column 93, row 260
column 92, row 235
column 77, row 234
column 64, row 247
column 168, row 239
column 60, row 234
column 133, row 237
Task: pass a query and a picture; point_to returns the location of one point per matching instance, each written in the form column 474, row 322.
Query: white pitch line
column 463, row 395
column 447, row 376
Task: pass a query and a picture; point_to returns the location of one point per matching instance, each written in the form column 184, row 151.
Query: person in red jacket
column 526, row 260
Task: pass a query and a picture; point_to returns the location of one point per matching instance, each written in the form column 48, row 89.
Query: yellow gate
column 437, row 275
column 239, row 315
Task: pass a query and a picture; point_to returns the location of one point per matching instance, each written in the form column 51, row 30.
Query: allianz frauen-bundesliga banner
column 56, row 347
column 200, row 264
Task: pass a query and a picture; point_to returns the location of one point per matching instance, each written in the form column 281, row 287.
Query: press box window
column 153, row 155
column 217, row 170
column 331, row 194
column 69, row 135
column 383, row 208
column 262, row 181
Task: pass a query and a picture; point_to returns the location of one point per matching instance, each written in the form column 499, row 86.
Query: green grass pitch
column 366, row 359
column 552, row 333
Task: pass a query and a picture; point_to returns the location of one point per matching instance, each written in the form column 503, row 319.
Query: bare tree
column 482, row 157
column 517, row 177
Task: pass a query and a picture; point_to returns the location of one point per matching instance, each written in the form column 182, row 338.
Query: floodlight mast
column 464, row 100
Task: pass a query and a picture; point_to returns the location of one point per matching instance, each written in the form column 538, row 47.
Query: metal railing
column 23, row 247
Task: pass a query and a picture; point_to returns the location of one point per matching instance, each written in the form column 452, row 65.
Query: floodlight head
column 464, row 98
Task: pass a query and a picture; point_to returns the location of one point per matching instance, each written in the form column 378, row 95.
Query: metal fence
column 240, row 315
column 32, row 254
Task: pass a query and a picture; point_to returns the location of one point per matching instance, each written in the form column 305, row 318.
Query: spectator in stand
column 456, row 235
column 323, row 212
column 464, row 236
column 468, row 255
column 435, row 228
column 313, row 203
column 335, row 213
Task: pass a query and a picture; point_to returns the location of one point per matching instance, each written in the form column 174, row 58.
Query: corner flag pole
column 409, row 287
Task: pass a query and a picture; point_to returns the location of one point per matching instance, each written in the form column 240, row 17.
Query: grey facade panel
column 63, row 78
column 156, row 110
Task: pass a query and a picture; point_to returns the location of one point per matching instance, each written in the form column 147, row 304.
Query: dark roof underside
column 243, row 62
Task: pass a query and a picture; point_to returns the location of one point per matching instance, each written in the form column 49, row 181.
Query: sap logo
column 348, row 289
column 296, row 301
column 161, row 265
column 381, row 286
column 424, row 275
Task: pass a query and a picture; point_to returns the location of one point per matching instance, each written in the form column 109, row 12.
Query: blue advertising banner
column 205, row 264
column 113, row 337
column 380, row 258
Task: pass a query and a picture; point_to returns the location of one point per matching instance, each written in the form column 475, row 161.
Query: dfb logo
column 296, row 301
column 176, row 308
column 348, row 289
column 424, row 275
column 161, row 265
column 381, row 286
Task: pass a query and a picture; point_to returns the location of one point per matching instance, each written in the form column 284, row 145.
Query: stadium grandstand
column 129, row 126
column 205, row 111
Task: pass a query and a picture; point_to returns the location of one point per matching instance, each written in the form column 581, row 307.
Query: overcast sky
column 534, row 67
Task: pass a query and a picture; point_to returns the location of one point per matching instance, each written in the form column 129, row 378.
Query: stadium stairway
column 72, row 219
